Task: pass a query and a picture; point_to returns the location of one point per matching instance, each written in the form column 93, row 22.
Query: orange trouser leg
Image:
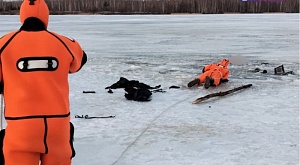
column 203, row 75
column 55, row 159
column 27, row 141
column 216, row 75
column 22, row 158
column 23, row 142
column 59, row 148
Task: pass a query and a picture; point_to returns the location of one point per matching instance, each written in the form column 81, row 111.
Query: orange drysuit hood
column 224, row 62
column 34, row 8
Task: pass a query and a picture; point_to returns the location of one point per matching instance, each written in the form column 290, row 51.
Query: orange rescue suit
column 218, row 71
column 34, row 67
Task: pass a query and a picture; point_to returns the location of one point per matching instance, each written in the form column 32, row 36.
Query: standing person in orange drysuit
column 212, row 74
column 34, row 67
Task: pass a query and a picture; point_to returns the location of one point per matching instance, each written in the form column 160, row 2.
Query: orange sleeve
column 79, row 58
column 225, row 73
column 78, row 55
column 3, row 40
column 206, row 68
column 1, row 45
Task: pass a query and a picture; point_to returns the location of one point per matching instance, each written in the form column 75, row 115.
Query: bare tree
column 160, row 6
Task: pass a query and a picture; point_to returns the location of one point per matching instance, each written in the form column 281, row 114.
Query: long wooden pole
column 200, row 99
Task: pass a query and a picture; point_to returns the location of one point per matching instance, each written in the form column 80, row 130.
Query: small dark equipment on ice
column 88, row 92
column 279, row 70
column 93, row 117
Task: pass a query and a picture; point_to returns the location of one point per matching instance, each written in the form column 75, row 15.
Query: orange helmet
column 224, row 62
column 34, row 8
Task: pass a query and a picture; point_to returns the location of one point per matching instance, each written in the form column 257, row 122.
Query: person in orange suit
column 212, row 75
column 34, row 68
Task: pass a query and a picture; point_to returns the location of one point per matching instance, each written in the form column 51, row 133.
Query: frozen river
column 258, row 126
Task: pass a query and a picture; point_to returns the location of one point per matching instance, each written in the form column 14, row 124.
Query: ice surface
column 256, row 126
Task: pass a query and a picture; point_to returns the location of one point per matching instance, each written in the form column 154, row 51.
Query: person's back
column 34, row 69
column 222, row 66
column 36, row 65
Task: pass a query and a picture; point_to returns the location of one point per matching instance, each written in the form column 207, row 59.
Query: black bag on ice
column 138, row 94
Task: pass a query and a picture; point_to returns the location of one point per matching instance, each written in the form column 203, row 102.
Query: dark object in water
column 279, row 70
column 264, row 63
column 256, row 69
column 289, row 72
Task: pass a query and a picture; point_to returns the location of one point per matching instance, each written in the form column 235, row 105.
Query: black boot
column 208, row 82
column 194, row 82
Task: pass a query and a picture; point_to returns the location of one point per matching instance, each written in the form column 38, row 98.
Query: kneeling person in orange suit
column 212, row 75
column 34, row 68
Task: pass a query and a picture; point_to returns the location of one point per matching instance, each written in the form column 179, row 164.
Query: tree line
column 159, row 6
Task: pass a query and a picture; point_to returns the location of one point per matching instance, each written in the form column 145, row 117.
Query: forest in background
column 159, row 6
